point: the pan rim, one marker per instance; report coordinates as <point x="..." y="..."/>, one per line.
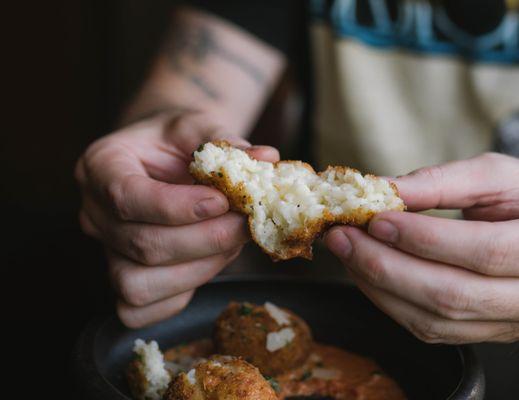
<point x="471" y="385"/>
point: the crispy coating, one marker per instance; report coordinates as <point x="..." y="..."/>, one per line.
<point x="298" y="243"/>
<point x="136" y="379"/>
<point x="242" y="329"/>
<point x="221" y="378"/>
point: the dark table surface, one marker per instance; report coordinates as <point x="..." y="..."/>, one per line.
<point x="501" y="361"/>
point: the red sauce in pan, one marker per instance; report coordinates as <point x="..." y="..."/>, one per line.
<point x="329" y="371"/>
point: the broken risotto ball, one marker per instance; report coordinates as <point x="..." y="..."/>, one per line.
<point x="287" y="202"/>
<point x="147" y="374"/>
<point x="273" y="339"/>
<point x="221" y="378"/>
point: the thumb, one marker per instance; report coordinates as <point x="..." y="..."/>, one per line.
<point x="458" y="184"/>
<point x="264" y="153"/>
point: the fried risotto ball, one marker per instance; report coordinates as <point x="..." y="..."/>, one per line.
<point x="221" y="378"/>
<point x="287" y="202"/>
<point x="146" y="373"/>
<point x="271" y="338"/>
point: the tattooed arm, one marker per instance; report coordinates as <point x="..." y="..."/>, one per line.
<point x="209" y="65"/>
<point x="165" y="236"/>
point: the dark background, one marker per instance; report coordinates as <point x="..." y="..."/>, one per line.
<point x="70" y="67"/>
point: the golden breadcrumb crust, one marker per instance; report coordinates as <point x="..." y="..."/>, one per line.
<point x="245" y="336"/>
<point x="299" y="242"/>
<point x="221" y="378"/>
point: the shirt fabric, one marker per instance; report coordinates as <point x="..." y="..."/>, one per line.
<point x="400" y="84"/>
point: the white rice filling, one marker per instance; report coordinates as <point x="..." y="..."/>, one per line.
<point x="191" y="377"/>
<point x="153" y="368"/>
<point x="290" y="196"/>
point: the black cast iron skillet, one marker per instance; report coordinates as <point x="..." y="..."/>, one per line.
<point x="338" y="314"/>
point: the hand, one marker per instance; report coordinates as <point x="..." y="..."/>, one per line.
<point x="165" y="236"/>
<point x="447" y="281"/>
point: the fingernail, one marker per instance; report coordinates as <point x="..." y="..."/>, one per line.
<point x="383" y="230"/>
<point x="210" y="207"/>
<point x="340" y="244"/>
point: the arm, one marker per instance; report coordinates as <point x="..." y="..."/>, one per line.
<point x="165" y="236"/>
<point x="206" y="64"/>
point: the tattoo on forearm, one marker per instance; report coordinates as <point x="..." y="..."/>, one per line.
<point x="198" y="43"/>
<point x="163" y="107"/>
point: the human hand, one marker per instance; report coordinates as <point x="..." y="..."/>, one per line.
<point x="164" y="235"/>
<point x="447" y="281"/>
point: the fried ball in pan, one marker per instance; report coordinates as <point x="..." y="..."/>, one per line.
<point x="271" y="338"/>
<point x="221" y="378"/>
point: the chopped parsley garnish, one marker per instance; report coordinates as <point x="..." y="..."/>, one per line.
<point x="200" y="148"/>
<point x="273" y="383"/>
<point x="245" y="310"/>
<point x="220" y="174"/>
<point x="306" y="376"/>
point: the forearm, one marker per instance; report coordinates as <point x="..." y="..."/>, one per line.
<point x="208" y="65"/>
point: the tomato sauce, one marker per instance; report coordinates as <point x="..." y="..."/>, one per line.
<point x="328" y="372"/>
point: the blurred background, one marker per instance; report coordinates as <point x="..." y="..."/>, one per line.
<point x="71" y="66"/>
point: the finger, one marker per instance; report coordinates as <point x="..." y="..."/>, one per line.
<point x="264" y="153"/>
<point x="87" y="225"/>
<point x="483" y="247"/>
<point x="459" y="184"/>
<point x="450" y="292"/>
<point x="505" y="210"/>
<point x="139" y="285"/>
<point x="155" y="245"/>
<point x="141" y="199"/>
<point x="120" y="181"/>
<point x="430" y="328"/>
<point x="138" y="317"/>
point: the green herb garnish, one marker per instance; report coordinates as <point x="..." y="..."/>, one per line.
<point x="274" y="383"/>
<point x="245" y="310"/>
<point x="306" y="376"/>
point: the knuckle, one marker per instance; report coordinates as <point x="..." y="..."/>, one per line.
<point x="450" y="301"/>
<point x="181" y="124"/>
<point x="427" y="330"/>
<point x="434" y="172"/>
<point x="492" y="256"/>
<point x="375" y="271"/>
<point x="117" y="199"/>
<point x="435" y="175"/>
<point x="221" y="239"/>
<point x="132" y="287"/>
<point x="145" y="248"/>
